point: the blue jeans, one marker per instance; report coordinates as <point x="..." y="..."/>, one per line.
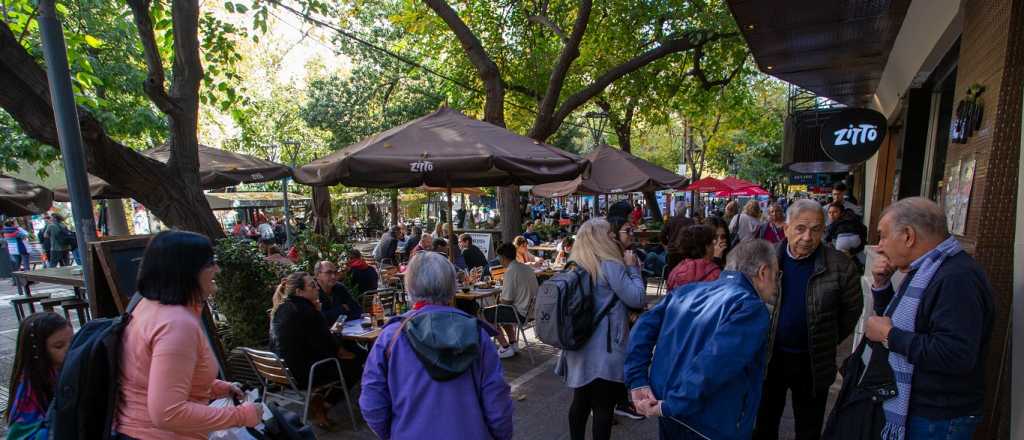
<point x="961" y="428"/>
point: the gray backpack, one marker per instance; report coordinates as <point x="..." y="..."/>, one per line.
<point x="565" y="311"/>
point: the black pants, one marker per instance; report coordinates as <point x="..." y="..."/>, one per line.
<point x="791" y="372"/>
<point x="598" y="397"/>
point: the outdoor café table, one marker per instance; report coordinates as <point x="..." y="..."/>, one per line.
<point x="353" y="331"/>
<point x="543" y="248"/>
<point x="65" y="276"/>
<point x="477" y="294"/>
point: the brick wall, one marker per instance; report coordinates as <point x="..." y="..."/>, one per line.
<point x="992" y="54"/>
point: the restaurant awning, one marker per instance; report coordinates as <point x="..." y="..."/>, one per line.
<point x="443" y="149"/>
<point x="252" y="199"/>
<point x="613" y="171"/>
<point x="834" y="49"/>
<point x="217" y="169"/>
<point x="19" y="198"/>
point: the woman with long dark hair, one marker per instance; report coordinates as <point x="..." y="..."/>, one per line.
<point x="43" y="340"/>
<point x="168" y="372"/>
<point x="723" y="239"/>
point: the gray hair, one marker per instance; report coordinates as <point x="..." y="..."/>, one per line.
<point x="430" y="277"/>
<point x="320" y="265"/>
<point x="803" y="205"/>
<point x="750" y="255"/>
<point x="919" y="213"/>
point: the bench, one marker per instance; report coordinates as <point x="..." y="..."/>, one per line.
<point x="30" y="301"/>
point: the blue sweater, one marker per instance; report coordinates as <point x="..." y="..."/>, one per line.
<point x="949" y="341"/>
<point x="792" y="328"/>
<point x="709" y="363"/>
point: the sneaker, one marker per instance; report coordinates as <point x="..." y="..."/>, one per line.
<point x="626" y="410"/>
<point x="515" y="347"/>
<point x="506" y="352"/>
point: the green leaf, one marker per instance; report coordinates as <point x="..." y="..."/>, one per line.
<point x="240" y="8"/>
<point x="93" y="42"/>
<point x="229" y="6"/>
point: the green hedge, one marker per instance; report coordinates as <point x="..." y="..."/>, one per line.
<point x="246" y="284"/>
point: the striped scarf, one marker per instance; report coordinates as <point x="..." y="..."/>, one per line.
<point x="904" y="317"/>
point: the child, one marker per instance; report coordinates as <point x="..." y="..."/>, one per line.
<point x="43" y="340"/>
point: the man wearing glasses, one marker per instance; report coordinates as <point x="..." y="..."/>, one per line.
<point x="819" y="305"/>
<point x="335" y="299"/>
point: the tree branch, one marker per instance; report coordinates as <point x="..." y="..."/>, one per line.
<point x="487" y="70"/>
<point x="579" y="98"/>
<point x="154" y="84"/>
<point x="524" y="90"/>
<point x="698" y="70"/>
<point x="544" y="21"/>
<point x="570" y="51"/>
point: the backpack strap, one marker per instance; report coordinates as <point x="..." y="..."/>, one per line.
<point x="133" y="302"/>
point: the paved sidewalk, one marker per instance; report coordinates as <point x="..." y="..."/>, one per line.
<point x="541" y="411"/>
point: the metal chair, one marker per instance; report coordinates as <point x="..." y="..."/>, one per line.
<point x="659" y="280"/>
<point x="521" y="325"/>
<point x="271" y="369"/>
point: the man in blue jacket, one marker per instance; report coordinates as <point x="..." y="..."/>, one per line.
<point x="704" y="381"/>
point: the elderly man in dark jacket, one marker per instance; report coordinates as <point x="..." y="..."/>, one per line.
<point x="819" y="305"/>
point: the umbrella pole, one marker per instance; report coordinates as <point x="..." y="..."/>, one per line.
<point x="451" y="227"/>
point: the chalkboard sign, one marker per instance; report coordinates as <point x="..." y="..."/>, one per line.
<point x="483" y="241"/>
<point x="113" y="278"/>
<point x="853" y="135"/>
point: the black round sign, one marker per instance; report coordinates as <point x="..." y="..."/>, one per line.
<point x="853" y="135"/>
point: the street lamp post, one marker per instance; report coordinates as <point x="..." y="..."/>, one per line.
<point x="284" y="186"/>
<point x="596" y="122"/>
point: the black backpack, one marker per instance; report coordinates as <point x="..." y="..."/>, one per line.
<point x="85" y="401"/>
<point x="565" y="310"/>
<point x="66" y="237"/>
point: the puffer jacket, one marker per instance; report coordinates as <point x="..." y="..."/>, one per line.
<point x="693" y="271"/>
<point x="834" y="305"/>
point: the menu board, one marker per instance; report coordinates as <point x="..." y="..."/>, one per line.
<point x="963" y="195"/>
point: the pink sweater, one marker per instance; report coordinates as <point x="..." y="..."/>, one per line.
<point x="169" y="375"/>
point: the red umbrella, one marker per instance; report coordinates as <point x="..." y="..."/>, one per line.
<point x="745" y="192"/>
<point x="709" y="184"/>
<point x="737" y="183"/>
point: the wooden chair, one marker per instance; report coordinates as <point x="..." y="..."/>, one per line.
<point x="389" y="298"/>
<point x="30" y="301"/>
<point x="498" y="273"/>
<point x="79" y="306"/>
<point x="271" y="370"/>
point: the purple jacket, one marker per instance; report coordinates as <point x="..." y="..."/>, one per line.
<point x="400" y="400"/>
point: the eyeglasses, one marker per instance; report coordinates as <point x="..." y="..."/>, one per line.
<point x="778" y="277"/>
<point x="211" y="262"/>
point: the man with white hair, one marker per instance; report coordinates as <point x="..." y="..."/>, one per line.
<point x="936" y="327"/>
<point x="819" y="305"/>
<point x="696" y="359"/>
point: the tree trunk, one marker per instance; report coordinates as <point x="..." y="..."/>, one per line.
<point x="652" y="203"/>
<point x="322" y="211"/>
<point x="394" y="207"/>
<point x="117" y="223"/>
<point x="24" y="94"/>
<point x="508" y="209"/>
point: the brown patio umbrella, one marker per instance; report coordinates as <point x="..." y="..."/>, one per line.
<point x="613" y="171"/>
<point x="443" y="149"/>
<point x="217" y="169"/>
<point x="19" y="198"/>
